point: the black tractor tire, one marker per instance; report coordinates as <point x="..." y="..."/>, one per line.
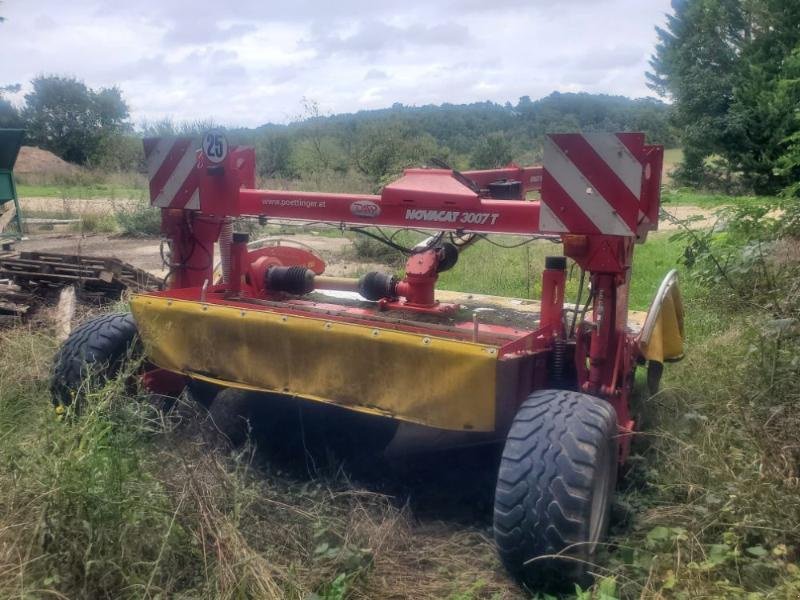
<point x="96" y="349"/>
<point x="554" y="488"/>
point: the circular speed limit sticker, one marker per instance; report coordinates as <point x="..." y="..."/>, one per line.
<point x="215" y="146"/>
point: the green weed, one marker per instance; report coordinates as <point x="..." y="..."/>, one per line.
<point x="715" y="475"/>
<point x="139" y="220"/>
<point x="96" y="223"/>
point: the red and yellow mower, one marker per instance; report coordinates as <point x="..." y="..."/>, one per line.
<point x="552" y="380"/>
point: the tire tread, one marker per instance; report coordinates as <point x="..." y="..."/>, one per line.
<point x="100" y="343"/>
<point x="543" y="500"/>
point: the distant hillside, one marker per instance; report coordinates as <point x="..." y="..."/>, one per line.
<point x="377" y="144"/>
<point x="458" y="125"/>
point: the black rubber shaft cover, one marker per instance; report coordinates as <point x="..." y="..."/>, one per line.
<point x="376" y="285"/>
<point x="292" y="280"/>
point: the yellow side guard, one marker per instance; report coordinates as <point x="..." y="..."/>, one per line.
<point x="422" y="379"/>
<point x="662" y="335"/>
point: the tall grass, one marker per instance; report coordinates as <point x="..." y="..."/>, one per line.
<point x="132" y="500"/>
<point x="713" y="491"/>
<point x="714" y="486"/>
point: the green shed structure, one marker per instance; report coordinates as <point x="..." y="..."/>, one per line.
<point x="10" y="142"/>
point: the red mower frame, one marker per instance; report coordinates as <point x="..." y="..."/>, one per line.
<point x="598" y="214"/>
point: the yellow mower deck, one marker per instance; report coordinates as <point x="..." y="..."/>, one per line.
<point x="419" y="377"/>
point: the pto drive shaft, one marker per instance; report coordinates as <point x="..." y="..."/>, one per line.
<point x="301" y="280"/>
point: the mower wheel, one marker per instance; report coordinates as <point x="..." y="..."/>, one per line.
<point x="554" y="488"/>
<point x="97" y="348"/>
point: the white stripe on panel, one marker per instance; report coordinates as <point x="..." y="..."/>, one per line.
<point x="548" y="221"/>
<point x="194" y="201"/>
<point x="577" y="187"/>
<point x="158" y="156"/>
<point x="176" y="179"/>
<point x="619" y="159"/>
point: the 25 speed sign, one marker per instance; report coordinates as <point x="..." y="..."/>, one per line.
<point x="215" y="146"/>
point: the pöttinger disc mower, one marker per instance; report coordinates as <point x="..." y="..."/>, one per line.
<point x="551" y="379"/>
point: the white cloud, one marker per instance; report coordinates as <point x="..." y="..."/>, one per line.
<point x="252" y="63"/>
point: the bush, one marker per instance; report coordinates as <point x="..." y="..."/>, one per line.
<point x="96" y="223"/>
<point x="368" y="249"/>
<point x="749" y="258"/>
<point x="715" y="510"/>
<point x="117" y="152"/>
<point x="139" y="220"/>
<point x="714" y="485"/>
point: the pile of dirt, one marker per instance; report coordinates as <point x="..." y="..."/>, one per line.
<point x="35" y="161"/>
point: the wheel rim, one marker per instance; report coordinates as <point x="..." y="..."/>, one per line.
<point x="600" y="495"/>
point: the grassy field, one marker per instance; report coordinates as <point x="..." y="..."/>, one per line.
<point x="128" y="501"/>
<point x="97" y="190"/>
<point x="516" y="272"/>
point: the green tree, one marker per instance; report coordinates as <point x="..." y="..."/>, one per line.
<point x="119" y="152"/>
<point x="764" y="113"/>
<point x="66" y="117"/>
<point x="9" y="115"/>
<point x="726" y="64"/>
<point x="695" y="64"/>
<point x="493" y="150"/>
<point x="274" y="156"/>
<point x="381" y="152"/>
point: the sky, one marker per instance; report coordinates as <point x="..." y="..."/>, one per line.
<point x="249" y="62"/>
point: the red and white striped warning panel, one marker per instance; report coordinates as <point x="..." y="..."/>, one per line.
<point x="173" y="174"/>
<point x="600" y="183"/>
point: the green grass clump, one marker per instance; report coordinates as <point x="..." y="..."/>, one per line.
<point x="97" y="223"/>
<point x="139" y="220"/>
<point x="715" y="475"/>
<point x="83" y="512"/>
<point x="714" y="484"/>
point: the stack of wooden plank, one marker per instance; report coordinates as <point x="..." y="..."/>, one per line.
<point x="14" y="302"/>
<point x="26" y="277"/>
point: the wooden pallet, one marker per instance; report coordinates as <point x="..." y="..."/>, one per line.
<point x="93" y="276"/>
<point x="14" y="302"/>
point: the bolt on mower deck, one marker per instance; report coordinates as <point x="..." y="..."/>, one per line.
<point x="552" y="378"/>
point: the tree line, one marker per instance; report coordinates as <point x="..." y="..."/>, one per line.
<point x="92" y="127"/>
<point x="379" y="143"/>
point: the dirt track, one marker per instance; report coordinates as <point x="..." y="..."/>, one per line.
<point x="144" y="252"/>
<point x="77" y="206"/>
<point x="682" y="213"/>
